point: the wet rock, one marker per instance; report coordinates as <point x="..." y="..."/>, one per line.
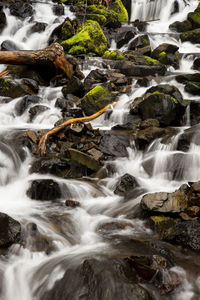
<point x="196" y="64"/>
<point x="84" y="159"/>
<point x="44" y="189"/>
<point x="139" y="42"/>
<point x="2" y="18"/>
<point x="123" y="37"/>
<point x="25" y="102"/>
<point x="33" y="73"/>
<point x="193" y="88"/>
<point x="96" y="154"/>
<point x="37" y="27"/>
<point x="35" y="241"/>
<point x="93" y="78"/>
<point x="126" y="185"/>
<point x="58" y="9"/>
<point x="184" y="78"/>
<point x="109" y="227"/>
<point x="146" y="136"/>
<point x="162" y="107"/>
<point x="167" y="89"/>
<point x="181" y="26"/>
<point x="161" y="223"/>
<point x="192" y="36"/>
<point x="95" y="100"/>
<point x="167" y="48"/>
<point x="36" y="110"/>
<point x="149" y="123"/>
<point x="8" y="45"/>
<point x="114" y="145"/>
<point x="14" y="89"/>
<point x="72" y="203"/>
<point x="166" y="202"/>
<point x="189" y="135"/>
<point x="61" y="103"/>
<point x="99" y="279"/>
<point x="130" y="69"/>
<point x="20" y="8"/>
<point x="194" y="113"/>
<point x="61" y="167"/>
<point x="10" y="231"/>
<point x="74" y="86"/>
<point x="186" y="234"/>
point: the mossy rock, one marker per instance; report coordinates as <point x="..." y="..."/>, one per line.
<point x="181" y="26"/>
<point x="151" y="61"/>
<point x="10" y="88"/>
<point x="119" y="8"/>
<point x="192" y="36"/>
<point x="89" y="39"/>
<point x="67" y="30"/>
<point x="113" y="55"/>
<point x="95" y="100"/>
<point x="84" y="159"/>
<point x="161" y="223"/>
<point x="194" y="18"/>
<point x="101" y="14"/>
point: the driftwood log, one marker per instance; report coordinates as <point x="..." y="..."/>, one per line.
<point x="43" y="141"/>
<point x="52" y="55"/>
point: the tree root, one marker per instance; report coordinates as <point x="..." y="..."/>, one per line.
<point x="42" y="146"/>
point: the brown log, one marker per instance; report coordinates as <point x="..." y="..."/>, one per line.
<point x="52" y="55"/>
<point x="43" y="141"/>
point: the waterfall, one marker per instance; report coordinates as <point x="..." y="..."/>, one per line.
<point x="70" y="236"/>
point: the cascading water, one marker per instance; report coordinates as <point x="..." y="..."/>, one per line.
<point x="27" y="274"/>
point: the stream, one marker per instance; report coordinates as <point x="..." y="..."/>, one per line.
<point x="73" y="236"/>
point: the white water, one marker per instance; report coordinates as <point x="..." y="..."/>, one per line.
<point x="26" y="274"/>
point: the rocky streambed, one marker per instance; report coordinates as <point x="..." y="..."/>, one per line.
<point x="112" y="209"/>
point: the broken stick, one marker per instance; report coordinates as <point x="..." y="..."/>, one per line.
<point x="52" y="55"/>
<point x="43" y="141"/>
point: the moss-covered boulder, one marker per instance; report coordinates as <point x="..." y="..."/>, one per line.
<point x="67" y="29"/>
<point x="113" y="55"/>
<point x="95" y="100"/>
<point x="194" y="17"/>
<point x="89" y="39"/>
<point x="103" y="15"/>
<point x="14" y="89"/>
<point x="119" y="8"/>
<point x="192" y="36"/>
<point x="151" y="61"/>
<point x="181" y="26"/>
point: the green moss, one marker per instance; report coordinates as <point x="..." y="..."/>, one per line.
<point x="194" y="18"/>
<point x="101" y="14"/>
<point x="158" y="219"/>
<point x="95" y="100"/>
<point x="162" y="55"/>
<point x="113" y="55"/>
<point x="151" y="61"/>
<point x="90" y="38"/>
<point x="156" y="92"/>
<point x="95" y="17"/>
<point x="174" y="100"/>
<point x="119" y="8"/>
<point x="67" y="30"/>
<point x="76" y="50"/>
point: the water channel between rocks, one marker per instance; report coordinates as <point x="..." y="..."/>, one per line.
<point x="95" y="244"/>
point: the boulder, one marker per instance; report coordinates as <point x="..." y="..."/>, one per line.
<point x="114" y="144"/>
<point x="100" y="279"/>
<point x="2" y="18"/>
<point x="8" y="45"/>
<point x="129" y="68"/>
<point x="167" y="48"/>
<point x="74" y="86"/>
<point x="25" y="102"/>
<point x="37" y="27"/>
<point x="192" y="36"/>
<point x="36" y="110"/>
<point x="186" y="234"/>
<point x="181" y="26"/>
<point x="44" y="189"/>
<point x="146" y="136"/>
<point x="125" y="185"/>
<point x="84" y="159"/>
<point x="167" y="89"/>
<point x="94" y="77"/>
<point x="123" y="37"/>
<point x="103" y="15"/>
<point x="90" y="39"/>
<point x="196" y="64"/>
<point x="139" y="42"/>
<point x="162" y="107"/>
<point x="163" y="202"/>
<point x="113" y="55"/>
<point x="193" y="88"/>
<point x="118" y="7"/>
<point x="10" y="231"/>
<point x="61" y="167"/>
<point x="20" y="8"/>
<point x="14" y="89"/>
<point x="95" y="100"/>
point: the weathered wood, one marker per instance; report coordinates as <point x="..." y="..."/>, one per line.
<point x="52" y="55"/>
<point x="43" y="141"/>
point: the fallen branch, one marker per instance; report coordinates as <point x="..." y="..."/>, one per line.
<point x="43" y="141"/>
<point x="52" y="55"/>
<point x="4" y="73"/>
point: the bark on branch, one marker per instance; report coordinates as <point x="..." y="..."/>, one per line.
<point x="52" y="55"/>
<point x="43" y="141"/>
